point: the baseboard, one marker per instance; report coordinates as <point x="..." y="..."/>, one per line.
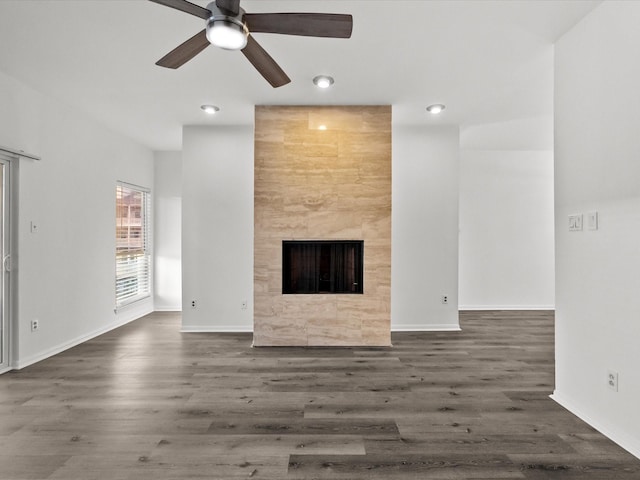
<point x="25" y="362"/>
<point x="216" y="329"/>
<point x="630" y="444"/>
<point x="506" y="307"/>
<point x="237" y="329"/>
<point x="168" y="309"/>
<point x="425" y="328"/>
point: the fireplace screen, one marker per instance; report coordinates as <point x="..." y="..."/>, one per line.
<point x="322" y="266"/>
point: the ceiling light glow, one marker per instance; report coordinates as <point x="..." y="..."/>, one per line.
<point x="323" y="81"/>
<point x="210" y="109"/>
<point x="435" y="108"/>
<point x="227" y="33"/>
<point x="322" y="127"/>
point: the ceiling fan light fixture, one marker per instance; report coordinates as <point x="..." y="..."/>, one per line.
<point x="210" y="109"/>
<point x="435" y="109"/>
<point x="323" y="81"/>
<point x="228" y="26"/>
<point x="227" y="33"/>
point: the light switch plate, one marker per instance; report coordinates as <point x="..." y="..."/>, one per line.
<point x="575" y="222"/>
<point x="592" y="220"/>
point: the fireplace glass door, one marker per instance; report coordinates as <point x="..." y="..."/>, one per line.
<point x="322" y="267"/>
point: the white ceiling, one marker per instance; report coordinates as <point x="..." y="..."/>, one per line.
<point x="488" y="61"/>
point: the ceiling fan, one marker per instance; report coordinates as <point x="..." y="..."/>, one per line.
<point x="229" y="26"/>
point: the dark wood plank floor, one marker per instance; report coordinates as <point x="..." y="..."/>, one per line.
<point x="146" y="402"/>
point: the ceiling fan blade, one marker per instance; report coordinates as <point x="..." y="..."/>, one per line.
<point x="307" y="24"/>
<point x="185" y="52"/>
<point x="231" y="6"/>
<point x="186" y="7"/>
<point x="266" y="65"/>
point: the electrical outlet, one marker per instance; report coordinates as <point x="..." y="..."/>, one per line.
<point x="444" y="299"/>
<point x="612" y="380"/>
<point x="193" y="304"/>
<point x="35" y="324"/>
<point x="243" y="305"/>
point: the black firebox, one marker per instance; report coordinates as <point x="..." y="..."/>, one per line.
<point x="322" y="266"/>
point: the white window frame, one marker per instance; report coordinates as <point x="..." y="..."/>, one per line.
<point x="133" y="275"/>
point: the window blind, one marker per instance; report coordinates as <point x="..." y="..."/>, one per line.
<point x="133" y="258"/>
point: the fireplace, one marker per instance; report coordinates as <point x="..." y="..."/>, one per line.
<point x="322" y="187"/>
<point x="322" y="267"/>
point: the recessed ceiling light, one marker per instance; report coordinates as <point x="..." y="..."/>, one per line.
<point x="210" y="109"/>
<point x="323" y="81"/>
<point x="435" y="108"/>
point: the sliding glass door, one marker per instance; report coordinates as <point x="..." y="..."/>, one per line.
<point x="6" y="265"/>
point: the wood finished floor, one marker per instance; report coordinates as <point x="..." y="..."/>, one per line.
<point x="146" y="402"/>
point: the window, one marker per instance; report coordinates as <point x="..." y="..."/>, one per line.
<point x="133" y="259"/>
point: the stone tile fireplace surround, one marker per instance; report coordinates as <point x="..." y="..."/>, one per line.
<point x="322" y="173"/>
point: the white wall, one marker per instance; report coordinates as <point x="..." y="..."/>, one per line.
<point x="66" y="271"/>
<point x="598" y="169"/>
<point x="507" y="216"/>
<point x="424" y="243"/>
<point x="217" y="222"/>
<point x="217" y="228"/>
<point x="167" y="202"/>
